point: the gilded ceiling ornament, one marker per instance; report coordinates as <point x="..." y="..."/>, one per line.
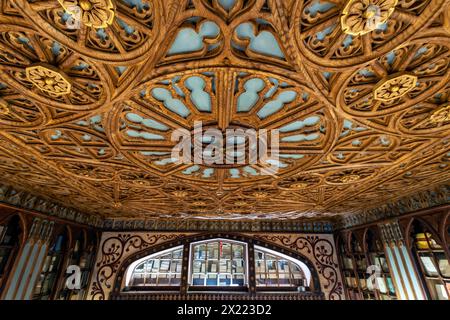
<point x="94" y="13"/>
<point x="299" y="185"/>
<point x="49" y="79"/>
<point x="117" y="205"/>
<point x="350" y="178"/>
<point x="394" y="87"/>
<point x="441" y="115"/>
<point x="363" y="16"/>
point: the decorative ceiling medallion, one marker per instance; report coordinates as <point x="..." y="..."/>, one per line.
<point x="49" y="79"/>
<point x="259" y="105"/>
<point x="394" y="87"/>
<point x="299" y="183"/>
<point x="349" y="176"/>
<point x="441" y="115"/>
<point x="363" y="16"/>
<point x="94" y="13"/>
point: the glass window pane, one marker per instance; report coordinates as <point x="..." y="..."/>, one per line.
<point x="225" y="266"/>
<point x="211" y="279"/>
<point x="163" y="279"/>
<point x="272" y="270"/>
<point x="213" y="250"/>
<point x="177" y="254"/>
<point x="200" y="251"/>
<point x="238" y="266"/>
<point x="225" y="280"/>
<point x="283" y="266"/>
<point x="222" y="260"/>
<point x="238" y="279"/>
<point x="163" y="269"/>
<point x="198" y="279"/>
<point x="213" y="266"/>
<point x="175" y="279"/>
<point x="271" y="266"/>
<point x="260" y="266"/>
<point x="238" y="251"/>
<point x="164" y="266"/>
<point x="225" y="251"/>
<point x="259" y="255"/>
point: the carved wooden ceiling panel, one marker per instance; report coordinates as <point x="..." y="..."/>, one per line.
<point x="359" y="91"/>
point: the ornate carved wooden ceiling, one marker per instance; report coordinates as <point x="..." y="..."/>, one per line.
<point x="358" y="89"/>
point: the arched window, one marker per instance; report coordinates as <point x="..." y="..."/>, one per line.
<point x="218" y="262"/>
<point x="218" y="265"/>
<point x="159" y="269"/>
<point x="274" y="269"/>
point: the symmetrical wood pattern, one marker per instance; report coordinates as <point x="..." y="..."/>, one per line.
<point x="360" y="96"/>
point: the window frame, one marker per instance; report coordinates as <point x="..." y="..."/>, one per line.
<point x="148" y="287"/>
<point x="430" y="281"/>
<point x="192" y="287"/>
<point x="280" y="256"/>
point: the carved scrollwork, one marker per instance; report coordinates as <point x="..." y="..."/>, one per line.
<point x="341" y="34"/>
<point x="119" y="31"/>
<point x="111" y="253"/>
<point x="48" y="72"/>
<point x="357" y="90"/>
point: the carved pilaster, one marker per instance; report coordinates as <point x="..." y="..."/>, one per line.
<point x="41" y="230"/>
<point x="391" y="233"/>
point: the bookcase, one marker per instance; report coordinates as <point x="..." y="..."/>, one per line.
<point x="82" y="254"/>
<point x="51" y="268"/>
<point x="432" y="258"/>
<point x="10" y="233"/>
<point x="364" y="267"/>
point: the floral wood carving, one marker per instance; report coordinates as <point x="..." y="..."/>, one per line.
<point x="361" y="105"/>
<point x="112" y="252"/>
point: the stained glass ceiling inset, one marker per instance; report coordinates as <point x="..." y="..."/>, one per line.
<point x="91" y="93"/>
